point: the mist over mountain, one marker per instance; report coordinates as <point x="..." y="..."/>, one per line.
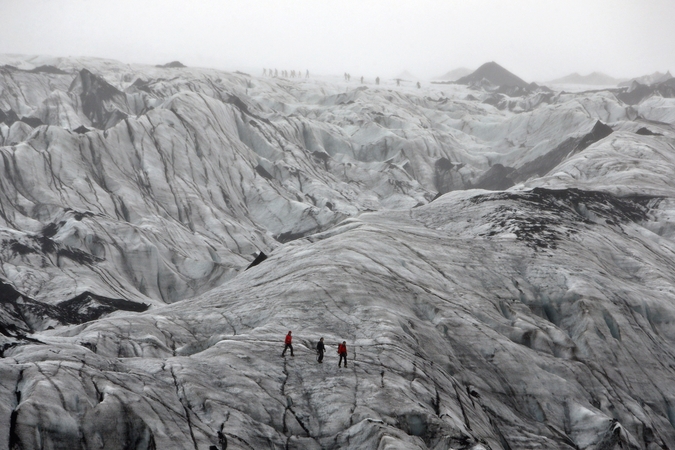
<point x="654" y="78"/>
<point x="595" y="78"/>
<point x="455" y="74"/>
<point x="407" y="76"/>
<point x="498" y="256"/>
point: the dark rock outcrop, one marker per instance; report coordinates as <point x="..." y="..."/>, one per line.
<point x="20" y="314"/>
<point x="102" y="103"/>
<point x="8" y="117"/>
<point x="496" y="75"/>
<point x="543" y="164"/>
<point x="497" y="178"/>
<point x="48" y="69"/>
<point x="637" y="92"/>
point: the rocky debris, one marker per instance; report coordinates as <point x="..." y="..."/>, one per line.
<point x="88" y="306"/>
<point x="644" y="131"/>
<point x="553" y="208"/>
<point x="22" y="315"/>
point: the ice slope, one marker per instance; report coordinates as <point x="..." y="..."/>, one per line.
<point x="300" y="157"/>
<point x="536" y="316"/>
<point x="538" y="319"/>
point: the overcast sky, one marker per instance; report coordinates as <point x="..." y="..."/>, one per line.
<point x="538" y="40"/>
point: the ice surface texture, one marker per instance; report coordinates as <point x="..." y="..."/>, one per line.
<point x="536" y="312"/>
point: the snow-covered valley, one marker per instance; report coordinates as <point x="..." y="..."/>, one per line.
<point x="501" y="267"/>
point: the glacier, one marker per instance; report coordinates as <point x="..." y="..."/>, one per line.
<point x="500" y="263"/>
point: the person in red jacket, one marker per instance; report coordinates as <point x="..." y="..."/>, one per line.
<point x="288" y="345"/>
<point x="342" y="351"/>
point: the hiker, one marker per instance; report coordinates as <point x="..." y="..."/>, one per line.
<point x="264" y="72"/>
<point x="342" y="351"/>
<point x="361" y="79"/>
<point x="418" y="85"/>
<point x="288" y="345"/>
<point x="320" y="348"/>
<point x="377" y="80"/>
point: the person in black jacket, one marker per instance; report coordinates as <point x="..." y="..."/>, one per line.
<point x="320" y="348"/>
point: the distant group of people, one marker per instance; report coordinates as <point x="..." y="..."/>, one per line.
<point x="348" y="77"/>
<point x="320" y="349"/>
<point x="284" y="73"/>
<point x="298" y="74"/>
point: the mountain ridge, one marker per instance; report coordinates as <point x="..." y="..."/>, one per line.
<point x="594" y="78"/>
<point x="454" y="74"/>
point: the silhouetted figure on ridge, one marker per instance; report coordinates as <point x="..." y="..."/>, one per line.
<point x="377" y="80"/>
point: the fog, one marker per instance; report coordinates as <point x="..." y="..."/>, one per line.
<point x="537" y="40"/>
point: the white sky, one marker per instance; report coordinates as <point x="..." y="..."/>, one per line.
<point x="538" y="40"/>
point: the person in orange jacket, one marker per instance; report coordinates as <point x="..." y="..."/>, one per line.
<point x="342" y="351"/>
<point x="288" y="341"/>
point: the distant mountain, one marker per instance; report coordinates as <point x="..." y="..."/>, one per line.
<point x="637" y="92"/>
<point x="656" y="77"/>
<point x="455" y="74"/>
<point x="172" y="64"/>
<point x="595" y="78"/>
<point x="496" y="75"/>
